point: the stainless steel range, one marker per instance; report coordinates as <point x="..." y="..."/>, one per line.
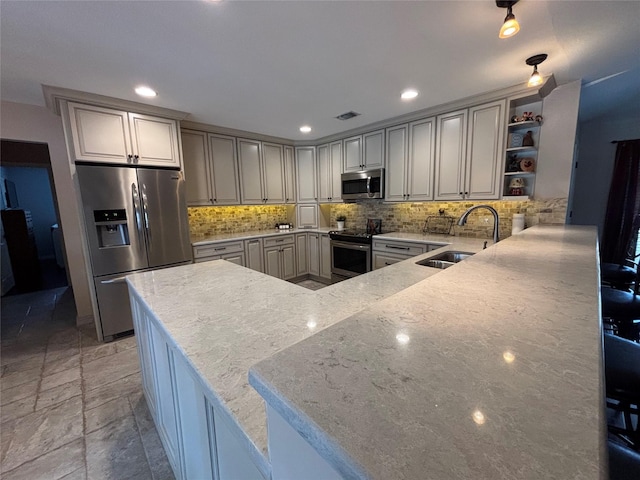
<point x="351" y="251"/>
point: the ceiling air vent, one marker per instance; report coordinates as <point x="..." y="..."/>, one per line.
<point x="347" y="116"/>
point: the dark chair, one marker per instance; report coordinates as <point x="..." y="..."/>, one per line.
<point x="621" y="308"/>
<point x="618" y="276"/>
<point x="622" y="375"/>
<point x="624" y="464"/>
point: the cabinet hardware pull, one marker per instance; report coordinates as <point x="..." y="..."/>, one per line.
<point x="136" y="157"/>
<point x="280" y="240"/>
<point x="211" y="200"/>
<point x="396" y="247"/>
<point x="387" y="263"/>
<point x="220" y="248"/>
<point x="129" y="157"/>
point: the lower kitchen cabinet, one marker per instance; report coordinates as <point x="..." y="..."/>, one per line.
<point x="388" y="252"/>
<point x="302" y="254"/>
<point x="320" y="255"/>
<point x="280" y="257"/>
<point x="253" y="250"/>
<point x="199" y="438"/>
<point x="231" y="251"/>
<point x="314" y="254"/>
<point x="325" y="256"/>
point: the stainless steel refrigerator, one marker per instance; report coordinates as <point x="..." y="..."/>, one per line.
<point x="136" y="219"/>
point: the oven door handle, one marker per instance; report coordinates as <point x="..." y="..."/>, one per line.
<point x="353" y="246"/>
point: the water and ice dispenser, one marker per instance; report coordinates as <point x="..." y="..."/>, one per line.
<point x="112" y="229"/>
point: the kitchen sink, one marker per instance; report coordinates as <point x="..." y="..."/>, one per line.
<point x="445" y="259"/>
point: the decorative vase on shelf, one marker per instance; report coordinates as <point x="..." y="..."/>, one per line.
<point x="527" y="140"/>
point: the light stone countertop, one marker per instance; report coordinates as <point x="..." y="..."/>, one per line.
<point x="224" y="237"/>
<point x="225" y="318"/>
<point x="497" y="372"/>
<point x="404" y="236"/>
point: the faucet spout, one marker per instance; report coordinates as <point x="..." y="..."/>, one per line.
<point x="496" y="222"/>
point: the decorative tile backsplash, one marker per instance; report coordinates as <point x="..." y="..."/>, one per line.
<point x="204" y="221"/>
<point x="403" y="217"/>
<point x="411" y="217"/>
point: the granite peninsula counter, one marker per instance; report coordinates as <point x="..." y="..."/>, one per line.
<point x="491" y="369"/>
<point x="202" y="327"/>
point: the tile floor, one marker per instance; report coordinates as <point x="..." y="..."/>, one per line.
<point x="311" y="284"/>
<point x="71" y="407"/>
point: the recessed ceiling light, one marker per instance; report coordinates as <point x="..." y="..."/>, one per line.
<point x="305" y="129"/>
<point x="409" y="94"/>
<point x="144" y="91"/>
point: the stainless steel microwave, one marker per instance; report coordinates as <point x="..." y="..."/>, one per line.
<point x="364" y="184"/>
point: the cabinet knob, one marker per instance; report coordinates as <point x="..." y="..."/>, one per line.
<point x="136" y="157"/>
<point x="129" y="157"/>
<point x="211" y="200"/>
<point x="460" y="193"/>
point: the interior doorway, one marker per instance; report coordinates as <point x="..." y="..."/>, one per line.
<point x="32" y="237"/>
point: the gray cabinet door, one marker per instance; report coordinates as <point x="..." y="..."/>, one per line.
<point x="289" y="175"/>
<point x="272" y="262"/>
<point x="352" y="148"/>
<point x="397" y="159"/>
<point x="325" y="256"/>
<point x="249" y="160"/>
<point x="273" y="173"/>
<point x="306" y="170"/>
<point x="224" y="169"/>
<point x="373" y="149"/>
<point x="485" y="151"/>
<point x="288" y="257"/>
<point x="253" y="250"/>
<point x="422" y="136"/>
<point x="335" y="154"/>
<point x="197" y="173"/>
<point x="314" y="254"/>
<point x="154" y="141"/>
<point x="302" y="254"/>
<point x="324" y="173"/>
<point x="450" y="155"/>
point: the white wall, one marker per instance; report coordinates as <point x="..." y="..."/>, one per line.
<point x="557" y="137"/>
<point x="596" y="155"/>
<point x="37" y="124"/>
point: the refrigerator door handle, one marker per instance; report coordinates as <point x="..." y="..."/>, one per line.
<point x="114" y="280"/>
<point x="136" y="207"/>
<point x="145" y="209"/>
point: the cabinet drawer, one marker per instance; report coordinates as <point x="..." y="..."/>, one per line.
<point x="217" y="249"/>
<point x="391" y="246"/>
<point x="278" y="241"/>
<point x="384" y="259"/>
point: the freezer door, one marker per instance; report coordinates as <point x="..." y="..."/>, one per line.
<point x="165" y="220"/>
<point x="116" y="244"/>
<point x="112" y="294"/>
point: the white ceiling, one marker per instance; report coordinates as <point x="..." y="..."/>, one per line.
<point x="272" y="66"/>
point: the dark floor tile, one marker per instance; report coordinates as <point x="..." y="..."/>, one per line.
<point x="158" y="462"/>
<point x="116" y="452"/>
<point x="54" y="465"/>
<point x="109" y="369"/>
<point x="41" y="432"/>
<point x="109" y="391"/>
<point x="99" y="417"/>
<point x="17" y="409"/>
<point x="55" y="395"/>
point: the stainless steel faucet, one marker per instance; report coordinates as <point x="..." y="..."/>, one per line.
<point x="496" y="221"/>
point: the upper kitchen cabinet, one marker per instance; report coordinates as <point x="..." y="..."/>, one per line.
<point x="289" y="175"/>
<point x="329" y="171"/>
<point x="262" y="172"/>
<point x="105" y="135"/>
<point x="410" y="161"/>
<point x="364" y="151"/>
<point x="469" y="146"/>
<point x="306" y="174"/>
<point x="210" y="168"/>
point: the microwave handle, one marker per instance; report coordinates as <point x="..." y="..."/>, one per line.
<point x="369" y="187"/>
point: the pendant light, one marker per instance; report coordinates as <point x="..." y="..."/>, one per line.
<point x="536" y="78"/>
<point x="510" y="26"/>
